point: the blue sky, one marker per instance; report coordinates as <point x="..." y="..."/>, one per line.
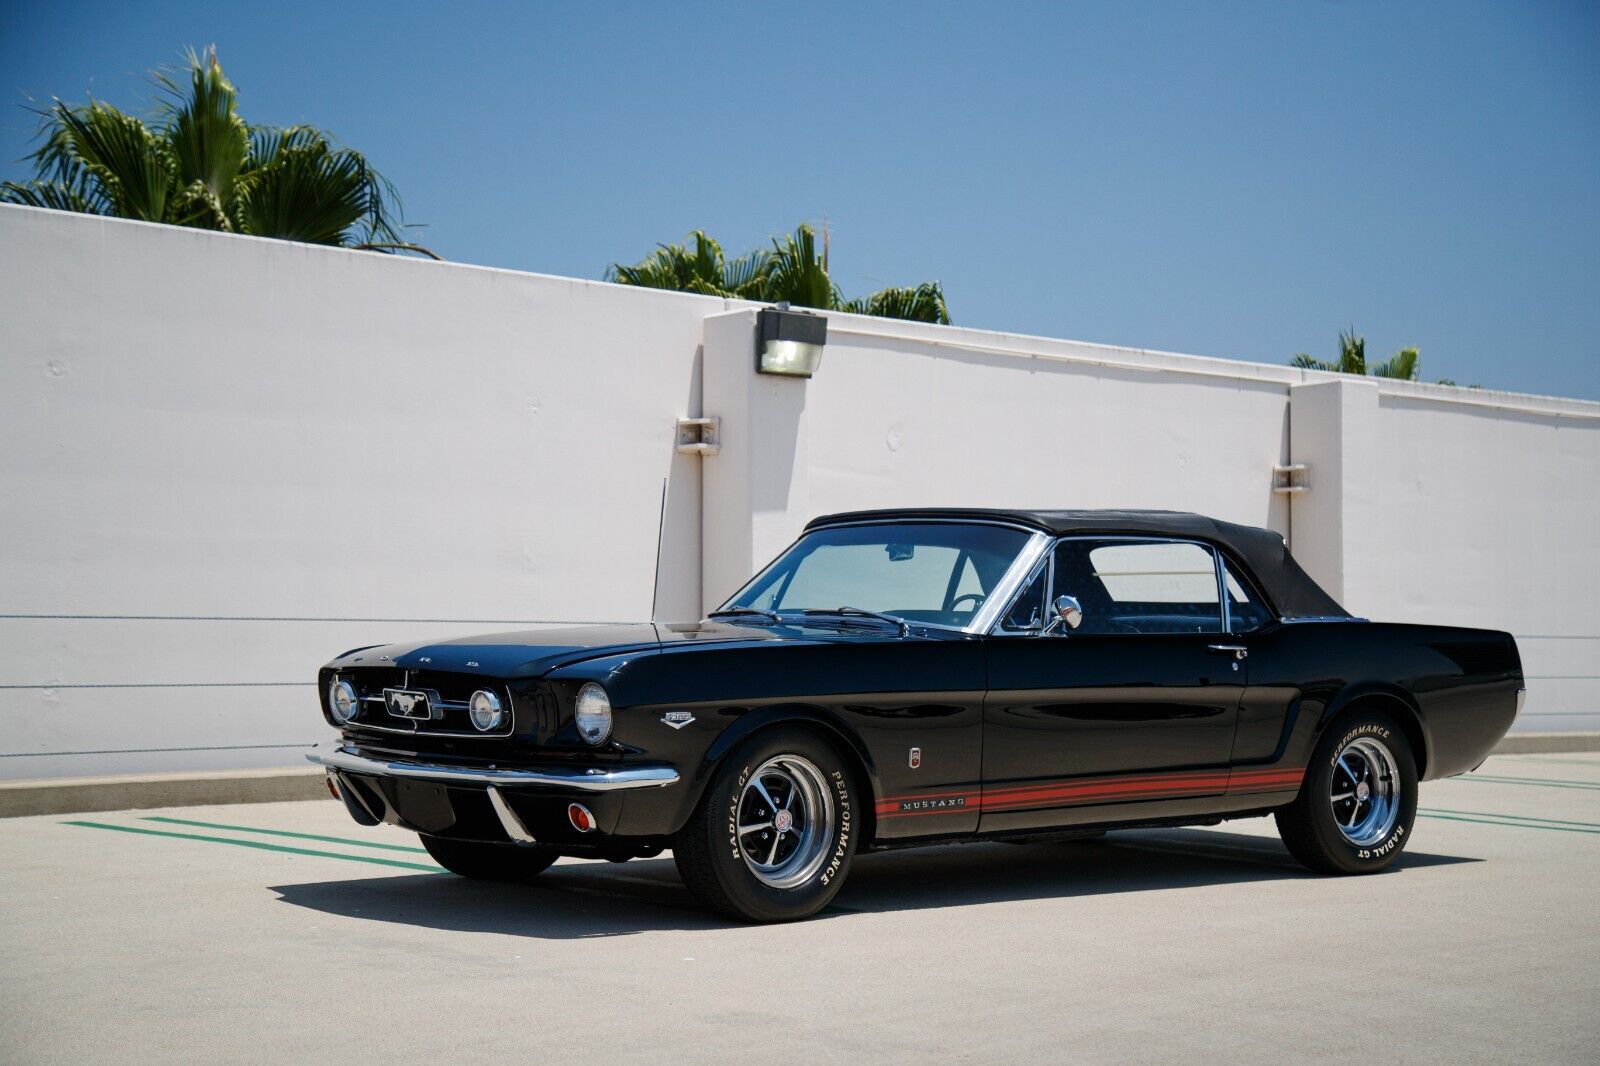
<point x="1237" y="180"/>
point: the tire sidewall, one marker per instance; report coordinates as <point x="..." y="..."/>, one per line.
<point x="744" y="889"/>
<point x="1353" y="858"/>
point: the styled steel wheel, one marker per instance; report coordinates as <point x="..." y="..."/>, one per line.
<point x="1365" y="790"/>
<point x="773" y="835"/>
<point x="785" y="821"/>
<point x="1358" y="800"/>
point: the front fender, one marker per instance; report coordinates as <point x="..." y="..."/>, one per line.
<point x="752" y="722"/>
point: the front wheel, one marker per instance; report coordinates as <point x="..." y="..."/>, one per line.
<point x="773" y="836"/>
<point x="1359" y="799"/>
<point x="490" y="862"/>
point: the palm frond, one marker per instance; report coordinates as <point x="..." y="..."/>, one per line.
<point x="310" y="193"/>
<point x="83" y="196"/>
<point x="1307" y="362"/>
<point x="745" y="276"/>
<point x="208" y="140"/>
<point x="1352" y="352"/>
<point x="914" y="303"/>
<point x="1403" y="365"/>
<point x="791" y="271"/>
<point x="118" y="151"/>
<point x="796" y="275"/>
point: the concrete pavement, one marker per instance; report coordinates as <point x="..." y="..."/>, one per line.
<point x="282" y="932"/>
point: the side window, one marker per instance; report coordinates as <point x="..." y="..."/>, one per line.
<point x="1140" y="586"/>
<point x="1246" y="612"/>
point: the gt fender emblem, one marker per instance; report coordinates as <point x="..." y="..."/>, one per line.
<point x="677" y="719"/>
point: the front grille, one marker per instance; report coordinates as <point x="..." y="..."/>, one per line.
<point x="447" y="694"/>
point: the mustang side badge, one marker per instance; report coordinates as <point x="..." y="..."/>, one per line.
<point x="915" y="758"/>
<point x="677" y="719"/>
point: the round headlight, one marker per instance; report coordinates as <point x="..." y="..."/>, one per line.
<point x="593" y="715"/>
<point x="342" y="700"/>
<point x="486" y="711"/>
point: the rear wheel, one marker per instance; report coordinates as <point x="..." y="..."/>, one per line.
<point x="490" y="862"/>
<point x="1359" y="799"/>
<point x="773" y="836"/>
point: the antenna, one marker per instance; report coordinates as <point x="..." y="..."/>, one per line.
<point x="661" y="526"/>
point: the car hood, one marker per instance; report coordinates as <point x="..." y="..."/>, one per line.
<point x="531" y="652"/>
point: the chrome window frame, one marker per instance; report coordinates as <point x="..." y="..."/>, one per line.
<point x="1010" y="585"/>
<point x="1112" y="538"/>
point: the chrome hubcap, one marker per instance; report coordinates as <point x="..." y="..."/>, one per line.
<point x="785" y="821"/>
<point x="1365" y="791"/>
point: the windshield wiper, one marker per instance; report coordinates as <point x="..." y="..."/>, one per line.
<point x="745" y="612"/>
<point x="861" y="612"/>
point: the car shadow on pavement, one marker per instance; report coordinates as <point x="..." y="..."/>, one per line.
<point x="598" y="899"/>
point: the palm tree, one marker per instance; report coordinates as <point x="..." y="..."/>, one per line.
<point x="200" y="164"/>
<point x="792" y="271"/>
<point x="1404" y="364"/>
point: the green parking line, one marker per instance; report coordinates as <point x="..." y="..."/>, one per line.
<point x="1509" y="824"/>
<point x="1593" y="764"/>
<point x="261" y="844"/>
<point x="1543" y="782"/>
<point x="286" y="833"/>
<point x="1512" y="817"/>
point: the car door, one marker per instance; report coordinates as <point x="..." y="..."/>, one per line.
<point x="1138" y="703"/>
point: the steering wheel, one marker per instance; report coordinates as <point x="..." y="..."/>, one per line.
<point x="977" y="599"/>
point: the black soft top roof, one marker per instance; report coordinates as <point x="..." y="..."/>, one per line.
<point x="1290" y="588"/>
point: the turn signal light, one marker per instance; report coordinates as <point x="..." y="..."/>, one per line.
<point x="580" y="817"/>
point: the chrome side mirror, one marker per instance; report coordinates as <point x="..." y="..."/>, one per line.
<point x="1069" y="613"/>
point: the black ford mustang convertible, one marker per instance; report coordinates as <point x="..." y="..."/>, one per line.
<point x="917" y="677"/>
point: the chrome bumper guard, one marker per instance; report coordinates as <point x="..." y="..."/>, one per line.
<point x="593" y="779"/>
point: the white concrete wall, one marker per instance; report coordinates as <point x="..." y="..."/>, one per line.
<point x="224" y="460"/>
<point x="1490" y="516"/>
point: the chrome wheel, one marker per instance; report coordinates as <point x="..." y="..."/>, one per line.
<point x="785" y="821"/>
<point x="1364" y="789"/>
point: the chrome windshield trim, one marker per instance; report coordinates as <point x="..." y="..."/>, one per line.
<point x="585" y="779"/>
<point x="1011" y="584"/>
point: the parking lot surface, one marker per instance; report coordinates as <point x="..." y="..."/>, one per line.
<point x="284" y="932"/>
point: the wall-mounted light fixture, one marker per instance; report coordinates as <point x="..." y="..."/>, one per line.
<point x="789" y="342"/>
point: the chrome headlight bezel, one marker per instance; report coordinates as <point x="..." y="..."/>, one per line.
<point x="343" y="702"/>
<point x="493" y="711"/>
<point x="591" y="714"/>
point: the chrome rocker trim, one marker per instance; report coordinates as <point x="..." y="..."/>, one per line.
<point x="584" y="780"/>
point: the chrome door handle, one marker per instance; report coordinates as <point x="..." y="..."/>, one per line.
<point x="1238" y="651"/>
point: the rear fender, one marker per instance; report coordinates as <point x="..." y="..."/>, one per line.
<point x="1389" y="697"/>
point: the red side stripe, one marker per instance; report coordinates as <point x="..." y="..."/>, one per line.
<point x="1093" y="790"/>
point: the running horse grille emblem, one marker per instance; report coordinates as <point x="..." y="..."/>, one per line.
<point x="407" y="704"/>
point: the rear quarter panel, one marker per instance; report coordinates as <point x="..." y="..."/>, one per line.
<point x="1460" y="685"/>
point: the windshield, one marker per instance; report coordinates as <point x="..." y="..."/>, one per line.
<point x="936" y="572"/>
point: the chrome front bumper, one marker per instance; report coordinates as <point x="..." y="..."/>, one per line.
<point x="341" y="761"/>
<point x="591" y="779"/>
